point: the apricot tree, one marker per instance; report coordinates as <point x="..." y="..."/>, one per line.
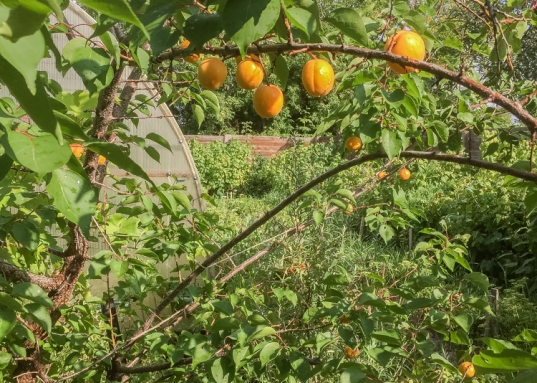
<point x="49" y="327"/>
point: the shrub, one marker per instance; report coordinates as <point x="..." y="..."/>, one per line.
<point x="222" y="167"/>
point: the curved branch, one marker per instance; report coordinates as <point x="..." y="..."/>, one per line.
<point x="146" y="328"/>
<point x="511" y="106"/>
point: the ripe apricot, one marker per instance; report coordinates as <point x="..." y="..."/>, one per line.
<point x="467" y="369"/>
<point x="350" y="353"/>
<point x="249" y="74"/>
<point x="382" y="174"/>
<point x="255" y="58"/>
<point x="408" y="44"/>
<point x="268" y="101"/>
<point x="349" y="209"/>
<point x="353" y="143"/>
<point x="404" y="174"/>
<point x="192" y="58"/>
<point x="77" y="150"/>
<point x="212" y="73"/>
<point x="318" y="77"/>
<point x="101" y="160"/>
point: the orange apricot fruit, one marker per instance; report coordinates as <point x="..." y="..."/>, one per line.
<point x="77" y="150"/>
<point x="212" y="73"/>
<point x="101" y="160"/>
<point x="404" y="174"/>
<point x="268" y="101"/>
<point x="408" y="44"/>
<point x="351" y="353"/>
<point x="353" y="143"/>
<point x="467" y="369"/>
<point x="251" y="56"/>
<point x="382" y="174"/>
<point x="249" y="74"/>
<point x="318" y="77"/>
<point x="192" y="58"/>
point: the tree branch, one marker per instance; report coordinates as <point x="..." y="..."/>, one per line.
<point x="13" y="274"/>
<point x="511" y="106"/>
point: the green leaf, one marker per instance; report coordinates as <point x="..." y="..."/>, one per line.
<point x="36" y="104"/>
<point x="526" y="336"/>
<point x="114" y="154"/>
<point x="22" y="20"/>
<point x="526" y="376"/>
<point x="269" y="352"/>
<point x="437" y="358"/>
<point x="159" y="140"/>
<point x="464" y="320"/>
<point x="247" y="20"/>
<point x="478" y="279"/>
<point x="69" y="126"/>
<point x="5" y="165"/>
<point x="182" y="199"/>
<point x="8" y="301"/>
<point x="291" y="296"/>
<point x="118" y="9"/>
<point x="25" y="55"/>
<point x="91" y="64"/>
<point x="347" y="194"/>
<point x="118" y="267"/>
<point x="221" y="370"/>
<point x="395" y="98"/>
<point x="261" y="332"/>
<point x="454" y="43"/>
<point x="201" y="353"/>
<point x="8" y="320"/>
<point x="441" y="130"/>
<point x="302" y="19"/>
<point x="530" y="200"/>
<point x="416" y="21"/>
<point x="386" y="232"/>
<point x="353" y="374"/>
<point x="389" y="336"/>
<point x="5" y="358"/>
<point x="73" y="196"/>
<point x="32" y="292"/>
<point x="211" y="100"/>
<point x="391" y="143"/>
<point x="318" y="217"/>
<point x="281" y="70"/>
<point x="432" y="138"/>
<point x="41" y="154"/>
<point x="479" y="304"/>
<point x="227" y="323"/>
<point x="349" y="22"/>
<point x="40" y="314"/>
<point x="202" y="27"/>
<point x="26" y="234"/>
<point x="509" y="360"/>
<point x="466" y="117"/>
<point x="335" y="280"/>
<point x="199" y="115"/>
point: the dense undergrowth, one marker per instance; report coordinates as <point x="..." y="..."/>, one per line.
<point x="489" y="217"/>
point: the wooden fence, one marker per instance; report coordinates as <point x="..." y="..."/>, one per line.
<point x="266" y="146"/>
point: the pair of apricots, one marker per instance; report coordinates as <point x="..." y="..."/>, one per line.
<point x="317" y="74"/>
<point x="355" y="143"/>
<point x="78" y="151"/>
